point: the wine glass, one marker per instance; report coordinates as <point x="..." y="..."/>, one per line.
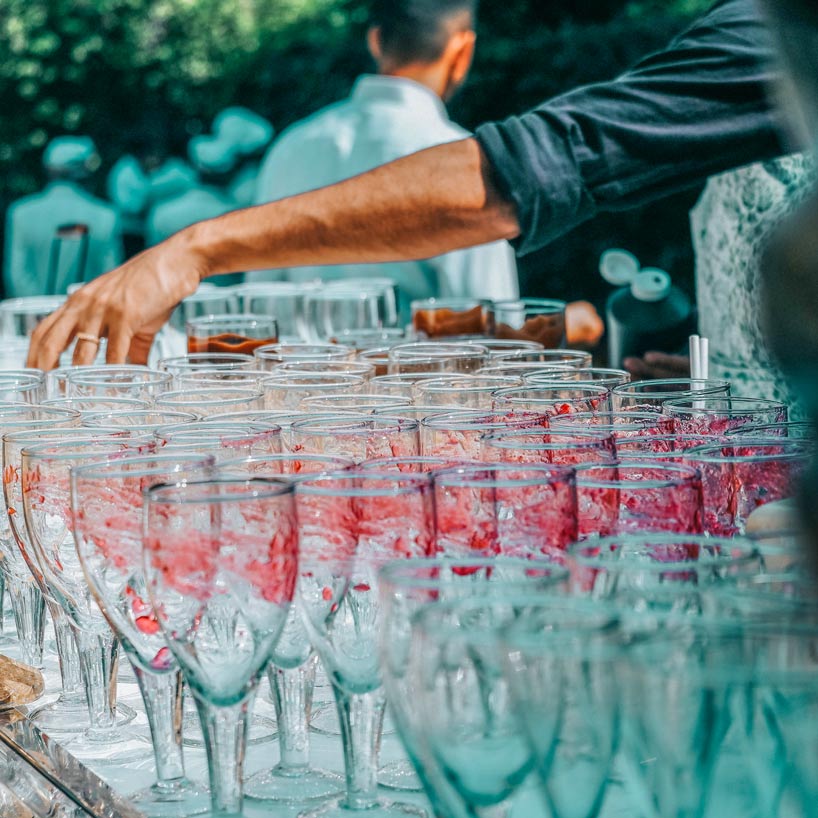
<point x="27" y="602"/>
<point x="107" y="505"/>
<point x="221" y="562"/>
<point x="505" y="508"/>
<point x="350" y="524"/>
<point x="407" y="587"/>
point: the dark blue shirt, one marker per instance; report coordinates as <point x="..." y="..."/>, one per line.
<point x="700" y="107"/>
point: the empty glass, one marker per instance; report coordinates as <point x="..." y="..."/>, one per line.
<point x="209" y="299"/>
<point x="635" y="496"/>
<point x="358" y="437"/>
<point x="547" y="357"/>
<point x="361" y="403"/>
<point x="400" y="385"/>
<point x="107" y="500"/>
<point x="283" y="300"/>
<point x="739" y="478"/>
<point x="225" y="441"/>
<point x="621" y="425"/>
<point x="384" y="288"/>
<point x="650" y="395"/>
<point x="137" y="420"/>
<point x="111" y="381"/>
<point x="20" y="316"/>
<point x="452" y="317"/>
<point x="221" y="563"/>
<point x="240" y="333"/>
<point x="505" y="508"/>
<point x="532" y="319"/>
<point x="436" y="357"/>
<point x="554" y="399"/>
<point x="718" y="415"/>
<point x="271" y="355"/>
<point x="333" y="312"/>
<point x="562" y="449"/>
<point x="22" y="386"/>
<point x="464" y="391"/>
<point x="610" y="378"/>
<point x="214" y="362"/>
<point x="204" y="402"/>
<point x="350" y="525"/>
<point x="361" y="368"/>
<point x="286" y="390"/>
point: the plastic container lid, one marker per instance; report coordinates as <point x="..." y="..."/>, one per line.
<point x="652" y="284"/>
<point x="618" y="267"/>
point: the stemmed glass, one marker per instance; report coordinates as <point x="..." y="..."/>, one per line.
<point x="27" y="603"/>
<point x="350" y="524"/>
<point x="291" y="671"/>
<point x="409" y="586"/>
<point x="221" y="563"/>
<point x="358" y="437"/>
<point x="636" y="496"/>
<point x="505" y="508"/>
<point x="741" y="477"/>
<point x="107" y="505"/>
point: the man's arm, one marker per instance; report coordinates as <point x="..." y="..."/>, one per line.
<point x="432" y="202"/>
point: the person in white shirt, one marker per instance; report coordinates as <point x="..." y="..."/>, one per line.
<point x="63" y="234"/>
<point x="423" y="50"/>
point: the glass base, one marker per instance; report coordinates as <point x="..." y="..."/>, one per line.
<point x="174" y="799"/>
<point x="262" y="730"/>
<point x="289" y="786"/>
<point x="120" y="745"/>
<point x="65" y="715"/>
<point x="325" y="722"/>
<point x="399" y="775"/>
<point x="383" y="809"/>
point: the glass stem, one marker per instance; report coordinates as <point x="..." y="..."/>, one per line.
<point x="67" y="653"/>
<point x="162" y="694"/>
<point x="225" y="734"/>
<point x="98" y="662"/>
<point x="28" y="606"/>
<point x="2" y="601"/>
<point x="361" y="717"/>
<point x="292" y="696"/>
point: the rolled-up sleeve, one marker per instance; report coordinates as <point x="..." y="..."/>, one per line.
<point x="700" y="107"/>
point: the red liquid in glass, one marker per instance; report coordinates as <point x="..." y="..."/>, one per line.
<point x="227" y="342"/>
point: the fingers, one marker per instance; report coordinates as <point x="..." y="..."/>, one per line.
<point x="140" y="349"/>
<point x="52" y="336"/>
<point x="119" y="344"/>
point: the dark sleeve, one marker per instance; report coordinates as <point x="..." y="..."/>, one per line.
<point x="698" y="108"/>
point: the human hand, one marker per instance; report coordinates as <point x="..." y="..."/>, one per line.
<point x="658" y="365"/>
<point x="583" y="326"/>
<point x="128" y="306"/>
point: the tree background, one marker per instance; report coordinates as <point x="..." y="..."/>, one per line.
<point x="146" y="75"/>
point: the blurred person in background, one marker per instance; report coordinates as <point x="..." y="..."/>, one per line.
<point x="696" y="109"/>
<point x="63" y="234"/>
<point x="249" y="134"/>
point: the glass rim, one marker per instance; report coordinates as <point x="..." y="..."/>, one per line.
<point x="123" y="400"/>
<point x="687" y="475"/>
<point x="167" y="432"/>
<point x="589" y="388"/>
<point x="463" y="420"/>
<point x="340" y="461"/>
<point x="118" y="467"/>
<point x="91" y="417"/>
<point x="23" y="378"/>
<point x="352" y="424"/>
<point x="680" y="406"/>
<point x="543" y="474"/>
<point x="275" y="487"/>
<point x="152" y="376"/>
<point x="415" y="483"/>
<point x="379" y="401"/>
<point x="218" y="361"/>
<point x="702" y="454"/>
<point x="228" y="318"/>
<point x="501" y="440"/>
<point x="716" y="384"/>
<point x="51" y="451"/>
<point x="11" y="410"/>
<point x="318" y="349"/>
<point x="444" y="303"/>
<point x="294" y="380"/>
<point x="79" y="433"/>
<point x="749" y="428"/>
<point x="555" y="354"/>
<point x="445" y="385"/>
<point x="375" y="463"/>
<point x="534" y="303"/>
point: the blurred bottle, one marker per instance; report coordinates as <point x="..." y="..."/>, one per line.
<point x="646" y="312"/>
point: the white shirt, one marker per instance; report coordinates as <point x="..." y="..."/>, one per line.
<point x="384" y="119"/>
<point x="31" y="227"/>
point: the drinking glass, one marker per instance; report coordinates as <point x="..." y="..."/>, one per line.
<point x="498" y="347"/>
<point x="635" y="496"/>
<point x="671" y="448"/>
<point x="138" y="420"/>
<point x="740" y="477"/>
<point x="271" y="355"/>
<point x="286" y="390"/>
<point x="20" y="316"/>
<point x="283" y="300"/>
<point x="407" y="587"/>
<point x="547" y="357"/>
<point x="223" y="440"/>
<point x="532" y="319"/>
<point x="240" y="333"/>
<point x="622" y="425"/>
<point x="330" y="313"/>
<point x="562" y="665"/>
<point x="360" y="403"/>
<point x="91" y="406"/>
<point x="415" y="412"/>
<point x="793" y="429"/>
<point x="436" y="357"/>
<point x="291" y="671"/>
<point x="457" y="435"/>
<point x="358" y="437"/>
<point x="111" y="381"/>
<point x="553" y="399"/>
<point x="377" y="356"/>
<point x="561" y="449"/>
<point x="718" y="415"/>
<point x="462" y="391"/>
<point x="69" y="713"/>
<point x="107" y="502"/>
<point x="221" y="563"/>
<point x="365" y="340"/>
<point x="209" y="299"/>
<point x="609" y="378"/>
<point x="21" y="386"/>
<point x="452" y="317"/>
<point x="505" y="508"/>
<point x="400" y="385"/>
<point x="350" y="525"/>
<point x="45" y="478"/>
<point x="209" y="361"/>
<point x="24" y="593"/>
<point x="361" y="368"/>
<point x="384" y="288"/>
<point x="647" y="396"/>
<point x="204" y="402"/>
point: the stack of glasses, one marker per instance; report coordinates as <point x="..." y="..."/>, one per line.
<point x="558" y="581"/>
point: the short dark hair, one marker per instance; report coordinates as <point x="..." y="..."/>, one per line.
<point x="415" y="30"/>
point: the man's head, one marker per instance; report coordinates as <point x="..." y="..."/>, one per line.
<point x="429" y="41"/>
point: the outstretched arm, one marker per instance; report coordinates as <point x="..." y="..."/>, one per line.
<point x="432" y="202"/>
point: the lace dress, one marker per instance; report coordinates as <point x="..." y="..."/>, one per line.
<point x="730" y="224"/>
